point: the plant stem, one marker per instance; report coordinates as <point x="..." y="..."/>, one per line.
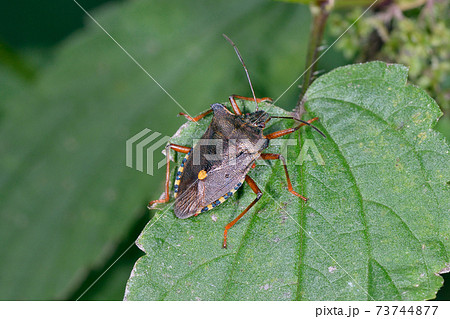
<point x="320" y="11"/>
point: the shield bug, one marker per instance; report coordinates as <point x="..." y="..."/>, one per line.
<point x="217" y="166"/>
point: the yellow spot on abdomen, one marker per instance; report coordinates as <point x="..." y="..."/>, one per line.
<point x="202" y="174"/>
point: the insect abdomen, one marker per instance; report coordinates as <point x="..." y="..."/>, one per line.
<point x="179" y="174"/>
<point x="220" y="200"/>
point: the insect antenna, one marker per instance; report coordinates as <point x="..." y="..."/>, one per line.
<point x="243" y="64"/>
<point x="304" y="122"/>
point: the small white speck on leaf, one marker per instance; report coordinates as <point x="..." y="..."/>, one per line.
<point x="266" y="287"/>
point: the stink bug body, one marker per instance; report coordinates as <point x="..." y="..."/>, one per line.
<point x="215" y="168"/>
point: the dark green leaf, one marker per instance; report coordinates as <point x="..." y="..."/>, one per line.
<point x="67" y="196"/>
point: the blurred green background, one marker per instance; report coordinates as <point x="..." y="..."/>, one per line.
<point x="70" y="98"/>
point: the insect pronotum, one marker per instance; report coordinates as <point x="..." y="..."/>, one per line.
<point x="206" y="178"/>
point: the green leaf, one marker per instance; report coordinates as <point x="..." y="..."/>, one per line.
<point x="376" y="224"/>
<point x="298" y="1"/>
<point x="66" y="195"/>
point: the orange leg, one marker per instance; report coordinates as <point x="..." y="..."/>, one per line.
<point x="236" y="108"/>
<point x="281" y="133"/>
<point x="176" y="148"/>
<point x="271" y="156"/>
<point x="197" y="118"/>
<point x="258" y="193"/>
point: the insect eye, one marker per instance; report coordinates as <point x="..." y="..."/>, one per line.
<point x="227" y="175"/>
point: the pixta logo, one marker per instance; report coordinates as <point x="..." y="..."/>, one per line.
<point x="140" y="149"/>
